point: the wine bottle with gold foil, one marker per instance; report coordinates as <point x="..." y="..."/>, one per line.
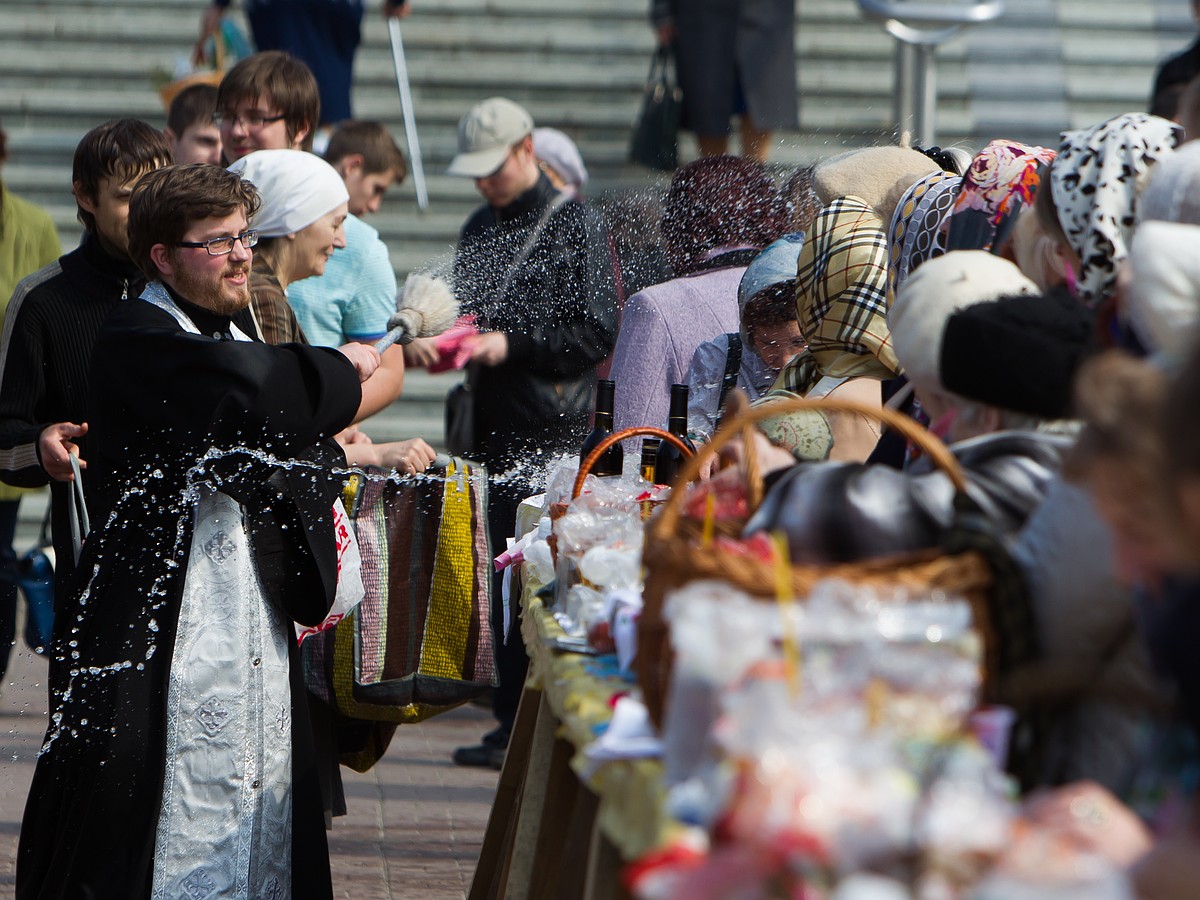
<point x="649" y="455"/>
<point x="612" y="462"/>
<point x="669" y="457"/>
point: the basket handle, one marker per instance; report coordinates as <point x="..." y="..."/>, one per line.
<point x="585" y="467"/>
<point x="668" y="517"/>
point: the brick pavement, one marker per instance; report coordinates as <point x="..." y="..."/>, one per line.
<point x="415" y="822"/>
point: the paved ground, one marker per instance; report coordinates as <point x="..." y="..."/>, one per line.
<point x="415" y="821"/>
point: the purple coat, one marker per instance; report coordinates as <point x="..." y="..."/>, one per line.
<point x="660" y="330"/>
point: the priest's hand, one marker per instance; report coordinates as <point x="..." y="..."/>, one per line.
<point x="55" y="446"/>
<point x="364" y="357"/>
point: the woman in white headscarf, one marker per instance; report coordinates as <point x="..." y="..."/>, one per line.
<point x="305" y="204"/>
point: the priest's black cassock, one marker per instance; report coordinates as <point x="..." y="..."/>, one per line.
<point x="179" y="413"/>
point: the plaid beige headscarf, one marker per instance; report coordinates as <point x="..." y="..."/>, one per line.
<point x="841" y="299"/>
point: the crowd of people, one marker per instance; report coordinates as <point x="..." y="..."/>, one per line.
<point x="205" y="360"/>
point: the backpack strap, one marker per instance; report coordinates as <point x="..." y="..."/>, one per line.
<point x="733" y="365"/>
<point x="825" y="387"/>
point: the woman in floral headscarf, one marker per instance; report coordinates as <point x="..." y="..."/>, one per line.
<point x="1094" y="185"/>
<point x="841" y="307"/>
<point x="1002" y="180"/>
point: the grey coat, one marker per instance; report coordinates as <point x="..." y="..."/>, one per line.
<point x="722" y="44"/>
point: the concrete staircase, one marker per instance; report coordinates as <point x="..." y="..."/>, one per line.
<point x="66" y="65"/>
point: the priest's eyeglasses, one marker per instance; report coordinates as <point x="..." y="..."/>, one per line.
<point x="220" y="246"/>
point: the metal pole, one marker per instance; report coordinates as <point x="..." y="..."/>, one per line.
<point x="926" y="94"/>
<point x="410" y="119"/>
<point x="902" y="96"/>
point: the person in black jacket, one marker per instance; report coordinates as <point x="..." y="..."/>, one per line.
<point x="1173" y="76"/>
<point x="55" y="314"/>
<point x="534" y="268"/>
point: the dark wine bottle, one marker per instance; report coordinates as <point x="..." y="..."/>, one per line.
<point x="669" y="457"/>
<point x="649" y="455"/>
<point x="612" y="462"/>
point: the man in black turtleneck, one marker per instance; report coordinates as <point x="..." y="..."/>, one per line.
<point x="55" y="314"/>
<point x="534" y="268"/>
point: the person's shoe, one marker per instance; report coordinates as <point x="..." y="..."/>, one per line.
<point x="481" y="756"/>
<point x="497" y="737"/>
<point x="488" y="754"/>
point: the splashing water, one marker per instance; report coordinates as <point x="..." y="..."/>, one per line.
<point x="476" y="269"/>
<point x="200" y="477"/>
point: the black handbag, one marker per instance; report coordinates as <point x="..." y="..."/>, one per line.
<point x="655" y="141"/>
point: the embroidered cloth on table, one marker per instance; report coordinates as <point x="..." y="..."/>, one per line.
<point x="225" y="828"/>
<point x="632" y="811"/>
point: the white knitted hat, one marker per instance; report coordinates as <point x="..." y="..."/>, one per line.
<point x="1163" y="300"/>
<point x="934" y="292"/>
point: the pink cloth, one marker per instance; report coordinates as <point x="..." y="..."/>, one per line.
<point x="451" y="344"/>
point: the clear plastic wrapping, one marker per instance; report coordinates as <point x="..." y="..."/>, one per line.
<point x="846" y="660"/>
<point x="826" y="749"/>
<point x="598" y="543"/>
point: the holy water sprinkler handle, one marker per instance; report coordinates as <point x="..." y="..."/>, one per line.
<point x="390" y="338"/>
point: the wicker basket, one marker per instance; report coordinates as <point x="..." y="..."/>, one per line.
<point x="675" y="555"/>
<point x="558" y="510"/>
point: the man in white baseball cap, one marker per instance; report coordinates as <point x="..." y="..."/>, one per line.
<point x="533" y="266"/>
<point x="495" y="147"/>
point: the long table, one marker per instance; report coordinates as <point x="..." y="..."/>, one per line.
<point x="554" y="833"/>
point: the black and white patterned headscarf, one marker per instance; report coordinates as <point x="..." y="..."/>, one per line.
<point x="1095" y="181"/>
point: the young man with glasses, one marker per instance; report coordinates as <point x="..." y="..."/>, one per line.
<point x="269" y="101"/>
<point x="54" y="316"/>
<point x="179" y="713"/>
